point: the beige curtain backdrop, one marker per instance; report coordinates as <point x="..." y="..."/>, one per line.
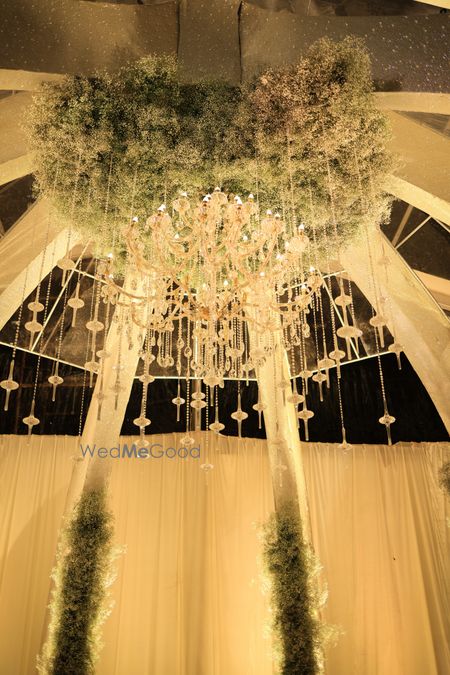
<point x="188" y="596"/>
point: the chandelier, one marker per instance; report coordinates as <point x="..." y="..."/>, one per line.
<point x="218" y="278"/>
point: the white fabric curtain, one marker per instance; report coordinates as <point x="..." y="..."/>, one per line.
<point x="188" y="596"/>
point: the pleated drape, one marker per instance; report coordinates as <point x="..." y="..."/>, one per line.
<point x="188" y="597"/>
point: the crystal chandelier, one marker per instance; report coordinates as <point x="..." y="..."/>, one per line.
<point x="218" y="278"/>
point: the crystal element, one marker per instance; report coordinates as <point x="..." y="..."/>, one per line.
<point x="305" y="415"/>
<point x="259" y="407"/>
<point x="9" y="385"/>
<point x="146" y="378"/>
<point x="396" y="349"/>
<point x="325" y="363"/>
<point x="198" y="395"/>
<point x="206" y="467"/>
<point x="296" y="398"/>
<point x="320" y="378"/>
<point x="95" y="326"/>
<point x="337" y="355"/>
<point x="31" y="421"/>
<point x="378" y="322"/>
<point x="141" y="422"/>
<point x="92" y="366"/>
<point x="217" y="426"/>
<point x="213" y="381"/>
<point x="187" y="441"/>
<point x="387" y="420"/>
<point x="103" y="354"/>
<point x="349" y="332"/>
<point x="33" y="327"/>
<point x="343" y="300"/>
<point x="198" y="405"/>
<point x="55" y="380"/>
<point x="65" y="264"/>
<point x="344" y="446"/>
<point x="35" y="306"/>
<point x="239" y="415"/>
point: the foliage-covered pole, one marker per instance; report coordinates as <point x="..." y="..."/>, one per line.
<point x="85" y="553"/>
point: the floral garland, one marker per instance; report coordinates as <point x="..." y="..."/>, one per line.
<point x="81" y="578"/>
<point x="299" y="636"/>
<point x="306" y="138"/>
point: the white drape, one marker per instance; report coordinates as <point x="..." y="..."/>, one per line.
<point x="188" y="598"/>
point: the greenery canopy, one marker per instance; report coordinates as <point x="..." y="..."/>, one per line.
<point x="108" y="147"/>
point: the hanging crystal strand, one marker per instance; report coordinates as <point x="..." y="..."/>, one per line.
<point x="118" y="367"/>
<point x="207" y="466"/>
<point x="94" y="326"/>
<point x="345" y="331"/>
<point x="336" y="354"/>
<point x="305" y="374"/>
<point x="178" y="400"/>
<point x="34" y="326"/>
<point x="395" y="347"/>
<point x="387" y="420"/>
<point x="102" y="355"/>
<point x="83" y="398"/>
<point x="188" y="440"/>
<point x="357" y="332"/>
<point x="319" y="377"/>
<point x="32" y="420"/>
<point x="294" y="397"/>
<point x="325" y="363"/>
<point x="55" y="379"/>
<point x="75" y="302"/>
<point x="304" y="413"/>
<point x="344" y="445"/>
<point x="143" y="421"/>
<point x="216" y="426"/>
<point x="259" y="406"/>
<point x="91" y="366"/>
<point x="66" y="263"/>
<point x="239" y="415"/>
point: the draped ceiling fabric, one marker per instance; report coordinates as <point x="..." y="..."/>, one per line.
<point x="188" y="595"/>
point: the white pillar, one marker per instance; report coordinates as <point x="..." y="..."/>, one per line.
<point x="103" y="429"/>
<point x="280" y="415"/>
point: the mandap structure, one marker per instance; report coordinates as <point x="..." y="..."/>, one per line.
<point x="219" y="196"/>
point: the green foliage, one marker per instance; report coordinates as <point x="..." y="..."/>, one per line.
<point x="81" y="577"/>
<point x="297" y="631"/>
<point x="444" y="478"/>
<point x="126" y="143"/>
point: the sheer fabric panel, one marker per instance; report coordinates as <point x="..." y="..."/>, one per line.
<point x="188" y="595"/>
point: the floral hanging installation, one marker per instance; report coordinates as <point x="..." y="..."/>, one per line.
<point x="215" y="216"/>
<point x="224" y="208"/>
